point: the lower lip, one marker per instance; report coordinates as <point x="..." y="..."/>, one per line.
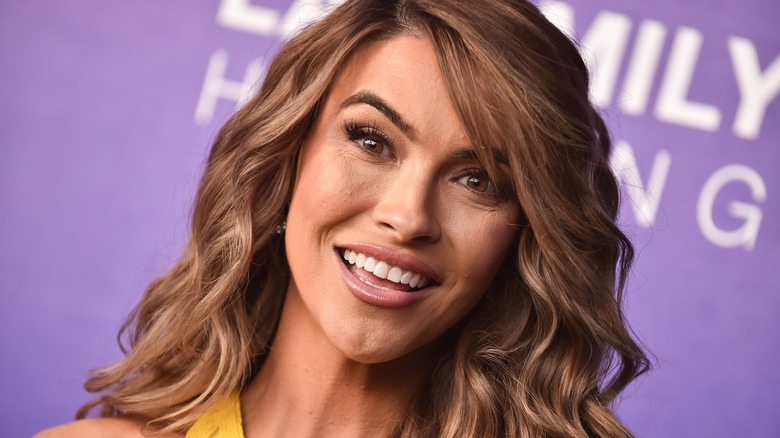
<point x="390" y="299"/>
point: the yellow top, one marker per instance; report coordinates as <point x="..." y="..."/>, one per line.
<point x="224" y="421"/>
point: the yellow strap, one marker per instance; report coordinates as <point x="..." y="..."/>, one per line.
<point x="224" y="421"/>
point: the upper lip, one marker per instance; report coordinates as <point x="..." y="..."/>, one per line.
<point x="403" y="261"/>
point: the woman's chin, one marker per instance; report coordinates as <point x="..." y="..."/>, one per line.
<point x="380" y="347"/>
<point x="372" y="351"/>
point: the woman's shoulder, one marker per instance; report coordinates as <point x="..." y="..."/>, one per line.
<point x="100" y="427"/>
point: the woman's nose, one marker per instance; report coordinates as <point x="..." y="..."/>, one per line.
<point x="406" y="208"/>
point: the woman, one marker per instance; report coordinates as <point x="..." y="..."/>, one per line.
<point x="410" y="231"/>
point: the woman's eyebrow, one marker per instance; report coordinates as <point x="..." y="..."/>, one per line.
<point x="369" y="98"/>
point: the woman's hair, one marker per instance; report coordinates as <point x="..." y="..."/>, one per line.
<point x="542" y="355"/>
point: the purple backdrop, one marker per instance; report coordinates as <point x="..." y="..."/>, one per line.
<point x="108" y="109"/>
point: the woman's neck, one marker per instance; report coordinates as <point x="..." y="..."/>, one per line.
<point x="307" y="388"/>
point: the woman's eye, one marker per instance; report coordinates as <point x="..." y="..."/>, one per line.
<point x="478" y="183"/>
<point x="371" y="145"/>
<point x="369" y="138"/>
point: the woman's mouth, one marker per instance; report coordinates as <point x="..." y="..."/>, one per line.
<point x="384" y="271"/>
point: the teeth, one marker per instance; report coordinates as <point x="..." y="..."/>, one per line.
<point x="394" y="275"/>
<point x="360" y="261"/>
<point x="370" y="264"/>
<point x="383" y="270"/>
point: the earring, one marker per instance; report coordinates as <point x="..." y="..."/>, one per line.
<point x="279" y="229"/>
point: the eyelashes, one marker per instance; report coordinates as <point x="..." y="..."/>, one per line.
<point x="369" y="138"/>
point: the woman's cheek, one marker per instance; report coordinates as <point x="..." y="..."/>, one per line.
<point x="329" y="180"/>
<point x="361" y="180"/>
<point x="490" y="234"/>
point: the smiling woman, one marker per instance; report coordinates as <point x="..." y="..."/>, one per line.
<point x="395" y="191"/>
<point x="410" y="231"/>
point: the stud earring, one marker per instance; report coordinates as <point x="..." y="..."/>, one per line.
<point x="279" y="229"/>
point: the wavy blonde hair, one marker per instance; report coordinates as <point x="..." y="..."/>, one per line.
<point x="547" y="350"/>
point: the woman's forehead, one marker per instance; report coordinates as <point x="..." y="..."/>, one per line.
<point x="400" y="79"/>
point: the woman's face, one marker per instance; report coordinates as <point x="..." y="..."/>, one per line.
<point x="395" y="230"/>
